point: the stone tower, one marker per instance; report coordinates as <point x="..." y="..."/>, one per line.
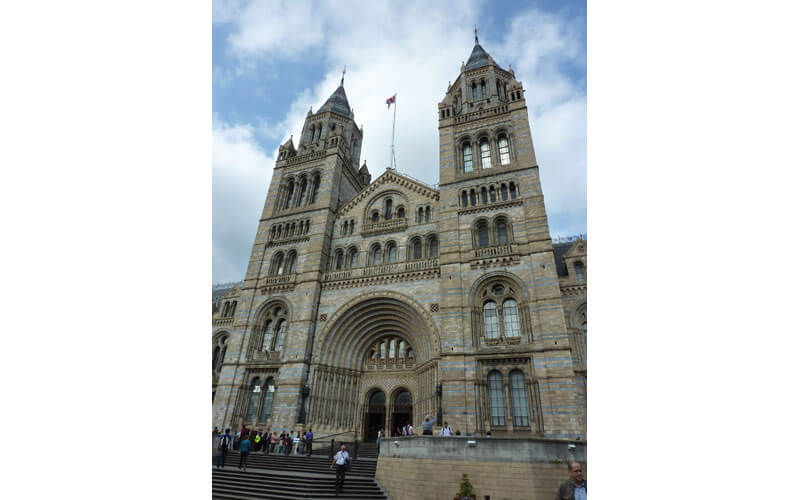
<point x="496" y="246"/>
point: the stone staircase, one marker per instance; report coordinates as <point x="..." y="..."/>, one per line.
<point x="365" y="450"/>
<point x="292" y="477"/>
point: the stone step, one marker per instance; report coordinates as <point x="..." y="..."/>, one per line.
<point x="360" y="467"/>
<point x="235" y="484"/>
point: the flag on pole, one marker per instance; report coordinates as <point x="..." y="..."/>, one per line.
<point x="390" y="101"/>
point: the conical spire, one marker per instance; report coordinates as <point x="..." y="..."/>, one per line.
<point x="337" y="102"/>
<point x="479" y="57"/>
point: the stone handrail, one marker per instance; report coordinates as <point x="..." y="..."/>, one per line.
<point x="386" y="226"/>
<point x="223" y="321"/>
<point x="493" y="251"/>
<point x="394" y="268"/>
<point x="277" y="280"/>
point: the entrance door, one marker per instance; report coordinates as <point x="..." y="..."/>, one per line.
<point x="403" y="413"/>
<point x="376" y="413"/>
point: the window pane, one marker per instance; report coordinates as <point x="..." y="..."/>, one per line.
<point x="267" y="341"/>
<point x="486" y="159"/>
<point x="502" y="233"/>
<point x="463" y="198"/>
<point x="467" y="151"/>
<point x="417" y="249"/>
<point x="490" y="324"/>
<point x="579" y="272"/>
<point x="292" y="261"/>
<point x="339" y="260"/>
<point x="483" y="235"/>
<point x="279" y="264"/>
<point x="434" y="248"/>
<point x="503" y="192"/>
<point x="281" y="335"/>
<point x="255" y="396"/>
<point x="353" y="258"/>
<point x="393" y="253"/>
<point x="391" y="348"/>
<point x="388" y="212"/>
<point x="519" y="399"/>
<point x="497" y="401"/>
<point x="484" y="197"/>
<point x="513" y="190"/>
<point x="511" y="318"/>
<point x="266" y="407"/>
<point x="215" y="359"/>
<point x="427" y="214"/>
<point x="316" y="189"/>
<point x="492" y="194"/>
<point x="375" y="217"/>
<point x="376" y="256"/>
<point x="505" y="157"/>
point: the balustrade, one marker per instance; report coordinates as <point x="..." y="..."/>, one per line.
<point x="493" y="251"/>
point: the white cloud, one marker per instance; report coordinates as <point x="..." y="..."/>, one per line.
<point x="414" y="52"/>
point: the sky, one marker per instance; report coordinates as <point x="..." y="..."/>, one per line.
<point x="273" y="60"/>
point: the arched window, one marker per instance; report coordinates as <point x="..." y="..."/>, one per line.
<point x="464" y="201"/>
<point x="225" y="309"/>
<point x="277" y="264"/>
<point x="279" y="232"/>
<point x="352" y="258"/>
<point x="510" y="318"/>
<point x="316" y="189"/>
<point x="483" y="234"/>
<point x="497" y="400"/>
<point x="302" y="192"/>
<point x="377" y="256"/>
<point x="410" y="353"/>
<point x="233" y="309"/>
<point x="388" y="210"/>
<point x="375" y="216"/>
<point x="502" y="232"/>
<point x="281" y="335"/>
<point x="484" y="197"/>
<point x="339" y="259"/>
<point x="291" y="262"/>
<point x="492" y="194"/>
<point x="472" y="197"/>
<point x="266" y="406"/>
<point x="503" y="192"/>
<point x="221" y="346"/>
<point x="513" y="190"/>
<point x="427" y="214"/>
<point x="289" y="193"/>
<point x="401" y="212"/>
<point x="483" y="89"/>
<point x="579" y="274"/>
<point x="502" y="145"/>
<point x="466" y="151"/>
<point x="403" y="399"/>
<point x="486" y="155"/>
<point x="474" y="92"/>
<point x="391" y="252"/>
<point x="255" y="395"/>
<point x="490" y="323"/>
<point x="417" y="248"/>
<point x="215" y="358"/>
<point x="377" y="399"/>
<point x="267" y="336"/>
<point x="433" y="247"/>
<point x="519" y="400"/>
<point x="420" y="215"/>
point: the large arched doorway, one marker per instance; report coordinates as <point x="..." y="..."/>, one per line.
<point x="376" y="414"/>
<point x="402" y="410"/>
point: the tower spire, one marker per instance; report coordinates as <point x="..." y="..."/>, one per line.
<point x="344" y="70"/>
<point x="476" y="34"/>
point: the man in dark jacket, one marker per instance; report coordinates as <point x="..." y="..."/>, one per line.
<point x="575" y="488"/>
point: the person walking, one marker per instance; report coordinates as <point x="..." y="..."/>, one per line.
<point x="287" y="443"/>
<point x="575" y="487"/>
<point x="309" y="441"/>
<point x="273" y="441"/>
<point x="224" y="443"/>
<point x="427" y="426"/>
<point x="296" y="441"/>
<point x="302" y="444"/>
<point x="244" y="449"/>
<point x="341" y="460"/>
<point x="446" y="430"/>
<point x="281" y="441"/>
<point x="257" y="441"/>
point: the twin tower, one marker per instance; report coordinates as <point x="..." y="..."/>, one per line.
<point x="369" y="304"/>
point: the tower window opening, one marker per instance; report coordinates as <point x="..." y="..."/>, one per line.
<point x="467" y="154"/>
<point x="483" y="89"/>
<point x="486" y="155"/>
<point x="505" y="157"/>
<point x="474" y="92"/>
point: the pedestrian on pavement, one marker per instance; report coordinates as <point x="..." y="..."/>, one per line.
<point x="427" y="426"/>
<point x="380" y="431"/>
<point x="257" y="441"/>
<point x="341" y="460"/>
<point x="302" y="443"/>
<point x="224" y="443"/>
<point x="446" y="430"/>
<point x="309" y="441"/>
<point x="296" y="441"/>
<point x="273" y="441"/>
<point x="287" y="443"/>
<point x="244" y="449"/>
<point x="575" y="487"/>
<point x="266" y="440"/>
<point x="281" y="441"/>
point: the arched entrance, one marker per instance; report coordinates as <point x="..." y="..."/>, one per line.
<point x="402" y="411"/>
<point x="376" y="414"/>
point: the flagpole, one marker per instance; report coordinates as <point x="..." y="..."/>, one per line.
<point x="394" y="119"/>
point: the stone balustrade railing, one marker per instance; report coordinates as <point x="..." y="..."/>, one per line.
<point x="386" y="226"/>
<point x="485" y="252"/>
<point x="394" y="268"/>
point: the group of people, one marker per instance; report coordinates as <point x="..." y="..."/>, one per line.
<point x="246" y="440"/>
<point x="427" y="430"/>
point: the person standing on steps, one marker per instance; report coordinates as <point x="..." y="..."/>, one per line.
<point x="427" y="426"/>
<point x="575" y="487"/>
<point x="224" y="443"/>
<point x="244" y="449"/>
<point x="341" y="460"/>
<point x="446" y="430"/>
<point x="309" y="441"/>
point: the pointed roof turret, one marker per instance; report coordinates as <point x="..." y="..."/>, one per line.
<point x="290" y="143"/>
<point x="479" y="57"/>
<point x="337" y="102"/>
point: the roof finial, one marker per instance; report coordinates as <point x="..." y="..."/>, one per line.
<point x="344" y="70"/>
<point x="476" y="34"/>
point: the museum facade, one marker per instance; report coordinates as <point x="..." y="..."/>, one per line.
<point x="368" y="304"/>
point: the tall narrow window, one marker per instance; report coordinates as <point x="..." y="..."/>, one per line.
<point x="579" y="274"/>
<point x="420" y="216"/>
<point x="505" y="157"/>
<point x="267" y="339"/>
<point x="401" y="213"/>
<point x="464" y="201"/>
<point x="433" y="249"/>
<point x="375" y="216"/>
<point x="255" y="396"/>
<point x="490" y="324"/>
<point x="513" y="189"/>
<point x="502" y="232"/>
<point x="376" y="255"/>
<point x="417" y="249"/>
<point x="316" y="189"/>
<point x="281" y="335"/>
<point x="503" y="192"/>
<point x="291" y="263"/>
<point x="388" y="212"/>
<point x="339" y="259"/>
<point x="486" y="155"/>
<point x="215" y="359"/>
<point x="353" y="257"/>
<point x="510" y="318"/>
<point x="266" y="406"/>
<point x="497" y="400"/>
<point x="484" y="198"/>
<point x="483" y="234"/>
<point x="492" y="194"/>
<point x="277" y="265"/>
<point x="466" y="151"/>
<point x="474" y="93"/>
<point x="289" y="193"/>
<point x="472" y="197"/>
<point x="392" y="348"/>
<point x="483" y="89"/>
<point x="427" y="214"/>
<point x="392" y="252"/>
<point x="383" y="350"/>
<point x="519" y="400"/>
<point x="301" y="194"/>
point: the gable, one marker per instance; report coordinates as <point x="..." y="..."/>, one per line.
<point x="403" y="191"/>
